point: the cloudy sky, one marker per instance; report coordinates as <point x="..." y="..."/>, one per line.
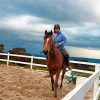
<point x="22" y="24"/>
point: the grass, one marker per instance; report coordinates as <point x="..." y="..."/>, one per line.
<point x="81" y="74"/>
<point x="99" y="97"/>
<point x="25" y="66"/>
<point x="45" y="69"/>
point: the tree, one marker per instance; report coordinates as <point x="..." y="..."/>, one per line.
<point x="20" y="51"/>
<point x="1" y="48"/>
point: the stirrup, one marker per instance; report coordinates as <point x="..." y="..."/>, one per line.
<point x="69" y="68"/>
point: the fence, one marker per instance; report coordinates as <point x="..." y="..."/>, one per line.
<point x="24" y="56"/>
<point x="77" y="93"/>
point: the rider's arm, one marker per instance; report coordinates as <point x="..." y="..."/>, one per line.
<point x="63" y="40"/>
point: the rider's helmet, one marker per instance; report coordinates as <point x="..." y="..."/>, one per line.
<point x="57" y="26"/>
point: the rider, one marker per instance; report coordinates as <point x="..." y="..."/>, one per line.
<point x="60" y="41"/>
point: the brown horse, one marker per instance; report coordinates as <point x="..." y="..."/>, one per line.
<point x="54" y="61"/>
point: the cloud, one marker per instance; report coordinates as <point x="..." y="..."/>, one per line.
<point x="31" y="27"/>
<point x="25" y="26"/>
<point x="62" y="11"/>
<point x="79" y="20"/>
<point x="83" y="52"/>
<point x="82" y="10"/>
<point x="23" y="22"/>
<point x="66" y="12"/>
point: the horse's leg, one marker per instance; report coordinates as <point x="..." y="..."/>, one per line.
<point x="52" y="81"/>
<point x="56" y="83"/>
<point x="62" y="76"/>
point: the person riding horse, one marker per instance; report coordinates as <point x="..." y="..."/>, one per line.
<point x="55" y="62"/>
<point x="60" y="41"/>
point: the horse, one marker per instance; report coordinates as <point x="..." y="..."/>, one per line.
<point x="55" y="62"/>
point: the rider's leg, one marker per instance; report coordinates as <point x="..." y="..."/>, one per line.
<point x="67" y="58"/>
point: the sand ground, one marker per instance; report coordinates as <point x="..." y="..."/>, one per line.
<point x="17" y="83"/>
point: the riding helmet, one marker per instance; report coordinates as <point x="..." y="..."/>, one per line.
<point x="57" y="26"/>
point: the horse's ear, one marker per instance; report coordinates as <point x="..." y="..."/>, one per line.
<point x="45" y="32"/>
<point x="51" y="32"/>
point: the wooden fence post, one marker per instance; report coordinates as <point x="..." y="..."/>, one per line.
<point x="96" y="83"/>
<point x="31" y="62"/>
<point x="8" y="58"/>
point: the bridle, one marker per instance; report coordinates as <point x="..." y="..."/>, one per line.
<point x="50" y="51"/>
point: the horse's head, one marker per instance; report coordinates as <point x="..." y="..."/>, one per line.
<point x="48" y="42"/>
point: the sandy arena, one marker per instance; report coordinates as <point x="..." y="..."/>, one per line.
<point x="17" y="83"/>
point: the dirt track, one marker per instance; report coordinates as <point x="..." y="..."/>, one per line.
<point x="17" y="83"/>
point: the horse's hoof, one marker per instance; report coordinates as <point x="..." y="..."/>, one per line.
<point x="60" y="86"/>
<point x="55" y="96"/>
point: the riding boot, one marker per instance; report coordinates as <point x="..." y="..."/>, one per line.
<point x="66" y="58"/>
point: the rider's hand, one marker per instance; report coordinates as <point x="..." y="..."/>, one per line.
<point x="59" y="44"/>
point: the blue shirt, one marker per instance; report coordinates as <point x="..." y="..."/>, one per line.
<point x="59" y="38"/>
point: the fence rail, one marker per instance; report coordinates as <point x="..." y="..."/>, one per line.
<point x="80" y="90"/>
